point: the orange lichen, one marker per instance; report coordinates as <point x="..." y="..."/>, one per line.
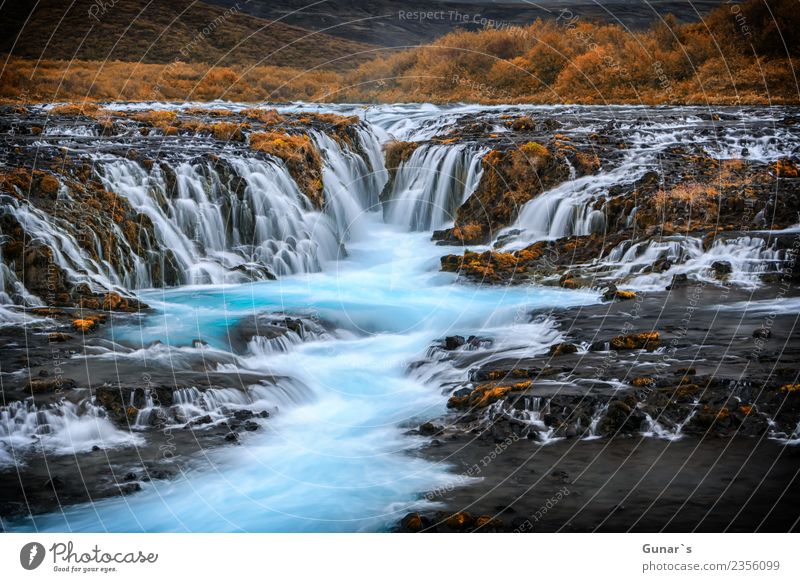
<point x="84" y="325"/>
<point x="784" y="168"/>
<point x="281" y="145"/>
<point x="228" y="131"/>
<point x="641" y="381"/>
<point x="534" y="149"/>
<point x="268" y="116"/>
<point x="638" y="341"/>
<point x="624" y="295"/>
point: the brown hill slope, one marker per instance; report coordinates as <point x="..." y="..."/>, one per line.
<point x="164" y="31"/>
<point x="740" y="53"/>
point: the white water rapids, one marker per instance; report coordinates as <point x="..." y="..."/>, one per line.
<point x="336" y="456"/>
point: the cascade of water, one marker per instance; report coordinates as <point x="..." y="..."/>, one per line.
<point x="61" y="428"/>
<point x="747" y="256"/>
<point x="568" y="209"/>
<point x="430" y="186"/>
<point x="234" y="220"/>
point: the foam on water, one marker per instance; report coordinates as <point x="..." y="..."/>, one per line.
<point x="338" y="459"/>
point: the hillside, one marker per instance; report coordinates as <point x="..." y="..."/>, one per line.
<point x="162" y="32"/>
<point x="385" y="22"/>
<point x="739" y="55"/>
<point x="733" y="56"/>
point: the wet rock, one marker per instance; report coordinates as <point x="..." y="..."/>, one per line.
<point x="762" y="333"/>
<point x="412" y="523"/>
<point x="637" y="341"/>
<point x="205" y="419"/>
<point x="429" y="429"/>
<point x="454" y="342"/>
<point x="721" y="269"/>
<point x="563" y="348"/>
<point x="460" y="521"/>
<point x="662" y="265"/>
<point x="49" y="384"/>
<point x="678" y="280"/>
<point x="620" y="418"/>
<point x="129" y="488"/>
<point x="57" y="337"/>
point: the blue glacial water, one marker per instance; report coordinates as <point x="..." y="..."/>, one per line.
<point x="339" y="459"/>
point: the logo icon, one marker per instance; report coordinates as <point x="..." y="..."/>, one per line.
<point x="31" y="555"/>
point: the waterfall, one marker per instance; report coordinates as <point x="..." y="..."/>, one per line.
<point x="430" y="186"/>
<point x="61" y="428"/>
<point x="351" y="183"/>
<point x="230" y="219"/>
<point x="568" y="209"/>
<point x="747" y="257"/>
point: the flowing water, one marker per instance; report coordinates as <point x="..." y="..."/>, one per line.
<point x="334" y="454"/>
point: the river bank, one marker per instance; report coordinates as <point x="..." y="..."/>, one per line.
<point x="641" y="439"/>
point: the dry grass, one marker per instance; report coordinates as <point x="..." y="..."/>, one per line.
<point x="281" y="145"/>
<point x="545" y="62"/>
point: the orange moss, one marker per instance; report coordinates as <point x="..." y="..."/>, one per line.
<point x="789" y="388"/>
<point x="49" y="184"/>
<point x="638" y="341"/>
<point x="267" y="116"/>
<point x="75" y="109"/>
<point x="533" y="148"/>
<point x="300" y="156"/>
<point x="624" y="295"/>
<point x="84" y="325"/>
<point x="228" y="131"/>
<point x="784" y="168"/>
<point x="281" y="145"/>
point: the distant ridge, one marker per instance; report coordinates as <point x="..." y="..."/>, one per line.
<point x="164" y="31"/>
<point x="384" y="22"/>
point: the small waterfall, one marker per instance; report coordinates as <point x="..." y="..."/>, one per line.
<point x="430" y="186"/>
<point x="597" y="416"/>
<point x="218" y="403"/>
<point x="12" y="291"/>
<point x="61" y="428"/>
<point x="568" y="209"/>
<point x="351" y="183"/>
<point x="528" y="411"/>
<point x="59" y="235"/>
<point x="653" y="428"/>
<point x="746" y="257"/>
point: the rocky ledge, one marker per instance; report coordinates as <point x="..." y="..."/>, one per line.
<point x="684" y="368"/>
